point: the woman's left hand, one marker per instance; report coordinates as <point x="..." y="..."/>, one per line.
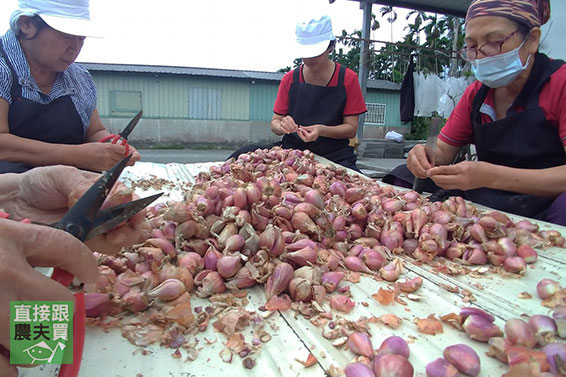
<point x="465" y="175"/>
<point x="45" y="194"/>
<point x="136" y="156"/>
<point x="309" y="133"/>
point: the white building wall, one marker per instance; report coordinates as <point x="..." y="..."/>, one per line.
<point x="553" y="43"/>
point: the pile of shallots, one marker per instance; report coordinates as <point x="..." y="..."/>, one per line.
<point x="279" y="218"/>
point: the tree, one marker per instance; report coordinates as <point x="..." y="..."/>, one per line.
<point x="296" y="63"/>
<point x="429" y="36"/>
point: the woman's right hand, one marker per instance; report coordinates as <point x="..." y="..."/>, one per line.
<point x="288" y="125"/>
<point x="24" y="246"/>
<point x="100" y="157"/>
<point x="418" y="162"/>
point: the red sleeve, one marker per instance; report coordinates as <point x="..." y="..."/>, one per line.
<point x="281" y="106"/>
<point x="458" y="128"/>
<point x="553" y="101"/>
<point x="355" y="103"/>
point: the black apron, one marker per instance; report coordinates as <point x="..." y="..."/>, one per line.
<point x="57" y="122"/>
<point x="312" y="104"/>
<point x="503" y="142"/>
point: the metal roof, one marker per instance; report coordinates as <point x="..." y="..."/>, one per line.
<point x="449" y="7"/>
<point x="211" y="72"/>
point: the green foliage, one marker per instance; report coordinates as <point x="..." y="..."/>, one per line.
<point x="429" y="36"/>
<point x="296" y="63"/>
<point x="419" y="128"/>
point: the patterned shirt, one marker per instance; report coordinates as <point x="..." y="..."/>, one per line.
<point x="75" y="81"/>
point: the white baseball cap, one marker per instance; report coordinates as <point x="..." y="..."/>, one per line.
<point x="313" y="36"/>
<point x="67" y="16"/>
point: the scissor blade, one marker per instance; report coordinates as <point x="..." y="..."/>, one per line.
<point x="430" y="149"/>
<point x="109" y="218"/>
<point x="431" y="139"/>
<point x="79" y="219"/>
<point x="130" y="127"/>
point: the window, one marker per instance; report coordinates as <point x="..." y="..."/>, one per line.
<point x="204" y="103"/>
<point x="125" y="103"/>
<point x="375" y="114"/>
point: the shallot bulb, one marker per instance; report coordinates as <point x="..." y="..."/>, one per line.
<point x="545" y="328"/>
<point x="360" y="344"/>
<point x="169" y="290"/>
<point x="556" y="357"/>
<point x="520" y="333"/>
<point x="516" y="265"/>
<point x="358" y="370"/>
<point x="331" y="279"/>
<point x="464" y="358"/>
<point x="391" y="365"/>
<point x="395" y="345"/>
<point x="441" y="368"/>
<point x="546" y="288"/>
<point x="478" y="328"/>
<point x="96" y="304"/>
<point x="279" y="280"/>
<point x="228" y="265"/>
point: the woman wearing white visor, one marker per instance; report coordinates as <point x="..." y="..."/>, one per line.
<point x="48" y="110"/>
<point x="318" y="104"/>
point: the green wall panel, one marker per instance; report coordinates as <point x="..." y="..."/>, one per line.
<point x="392" y="100"/>
<point x="262" y="99"/>
<point x="168" y="96"/>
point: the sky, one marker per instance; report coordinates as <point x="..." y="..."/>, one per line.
<point x="229" y="34"/>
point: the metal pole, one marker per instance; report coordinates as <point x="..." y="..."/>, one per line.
<point x="364" y="60"/>
<point x="454" y="61"/>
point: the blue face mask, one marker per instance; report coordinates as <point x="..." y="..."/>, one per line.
<point x="499" y="70"/>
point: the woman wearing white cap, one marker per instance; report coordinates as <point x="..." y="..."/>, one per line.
<point x="318" y="104"/>
<point x="48" y="110"/>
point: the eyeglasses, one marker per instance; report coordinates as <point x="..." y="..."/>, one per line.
<point x="488" y="49"/>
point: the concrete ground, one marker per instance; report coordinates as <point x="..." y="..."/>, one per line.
<point x="184" y="156"/>
<point x="372" y="167"/>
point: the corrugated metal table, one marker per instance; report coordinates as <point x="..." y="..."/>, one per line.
<point x="108" y="354"/>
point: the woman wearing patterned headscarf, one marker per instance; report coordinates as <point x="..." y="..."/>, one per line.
<point x="515" y="114"/>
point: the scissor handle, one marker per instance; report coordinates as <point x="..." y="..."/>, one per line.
<point x="62" y="276"/>
<point x="79" y="317"/>
<point x="113" y="138"/>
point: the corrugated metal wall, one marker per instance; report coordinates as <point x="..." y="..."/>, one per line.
<point x="168" y="96"/>
<point x="262" y="99"/>
<point x="392" y="101"/>
<point x="184" y="97"/>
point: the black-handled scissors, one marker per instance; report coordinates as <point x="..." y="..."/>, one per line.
<point x="85" y="220"/>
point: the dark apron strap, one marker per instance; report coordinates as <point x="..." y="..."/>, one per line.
<point x="296" y="75"/>
<point x="341" y="75"/>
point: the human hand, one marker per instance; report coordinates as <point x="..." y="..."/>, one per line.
<point x="418" y="162"/>
<point x="45" y="194"/>
<point x="24" y="246"/>
<point x="288" y="125"/>
<point x="309" y="133"/>
<point x="136" y="156"/>
<point x="465" y="175"/>
<point x="100" y="157"/>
